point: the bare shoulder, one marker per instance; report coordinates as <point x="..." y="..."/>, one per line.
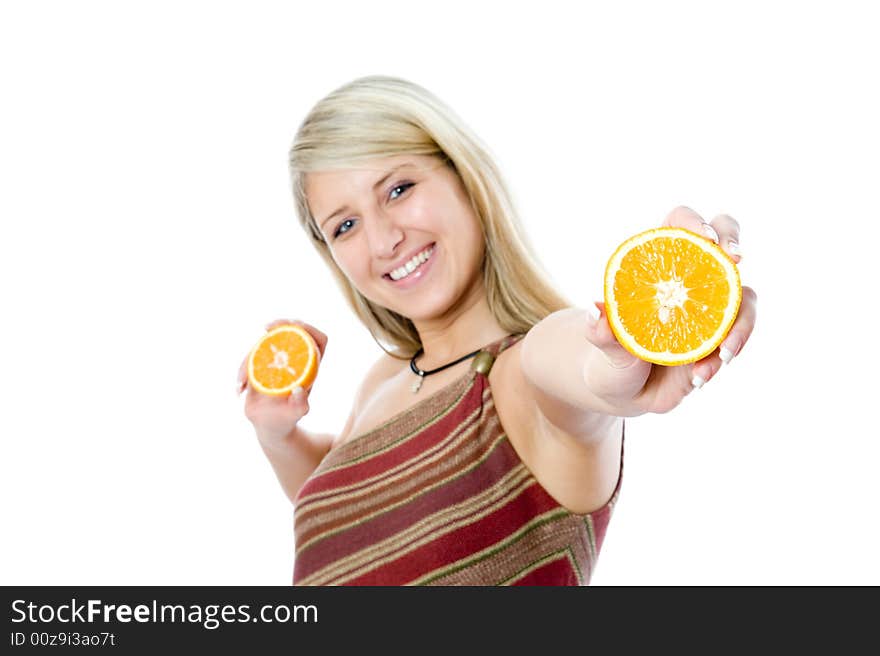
<point x="380" y="371"/>
<point x="385" y="367"/>
<point x="580" y="474"/>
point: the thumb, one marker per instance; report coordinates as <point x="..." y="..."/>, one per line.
<point x="299" y="399"/>
<point x="598" y="332"/>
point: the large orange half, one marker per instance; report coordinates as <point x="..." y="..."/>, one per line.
<point x="671" y="295"/>
<point x="285" y="357"/>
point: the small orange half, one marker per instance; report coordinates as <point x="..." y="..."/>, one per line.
<point x="671" y="295"/>
<point x="285" y="357"/>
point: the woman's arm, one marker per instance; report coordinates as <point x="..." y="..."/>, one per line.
<point x="295" y="457"/>
<point x="556" y="360"/>
<point x="298" y="454"/>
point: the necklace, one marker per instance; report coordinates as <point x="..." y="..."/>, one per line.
<point x="421" y="373"/>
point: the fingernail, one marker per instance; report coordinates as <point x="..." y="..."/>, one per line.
<point x="726" y="355"/>
<point x="297" y="391"/>
<point x="593" y="312"/>
<point x="710" y="232"/>
<point x="697" y="382"/>
<point x="733" y="248"/>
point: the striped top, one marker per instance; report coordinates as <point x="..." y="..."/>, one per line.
<point x="438" y="496"/>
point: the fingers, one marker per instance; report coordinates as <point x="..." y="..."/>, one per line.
<point x="276" y="415"/>
<point x="703" y="370"/>
<point x="299" y="399"/>
<point x="728" y="232"/>
<point x="241" y="379"/>
<point x="723" y="229"/>
<point x="742" y="327"/>
<point x="685" y="217"/>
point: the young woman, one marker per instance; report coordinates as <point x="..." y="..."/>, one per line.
<point x="485" y="446"/>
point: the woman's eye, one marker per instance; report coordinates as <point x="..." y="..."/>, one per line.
<point x="403" y="187"/>
<point x="339" y="230"/>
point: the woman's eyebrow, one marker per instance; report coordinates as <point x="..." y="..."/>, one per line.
<point x="377" y="184"/>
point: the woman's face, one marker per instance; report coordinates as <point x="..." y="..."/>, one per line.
<point x="381" y="221"/>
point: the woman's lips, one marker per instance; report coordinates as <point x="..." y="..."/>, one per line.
<point x="418" y="273"/>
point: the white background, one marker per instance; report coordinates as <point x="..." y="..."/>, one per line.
<point x="148" y="234"/>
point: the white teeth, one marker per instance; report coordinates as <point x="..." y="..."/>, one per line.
<point x="411" y="266"/>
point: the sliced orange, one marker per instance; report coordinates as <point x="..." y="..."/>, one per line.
<point x="671" y="295"/>
<point x="285" y="357"/>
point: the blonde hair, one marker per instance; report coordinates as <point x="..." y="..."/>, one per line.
<point x="380" y="116"/>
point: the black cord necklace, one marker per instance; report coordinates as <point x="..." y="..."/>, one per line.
<point x="421" y="373"/>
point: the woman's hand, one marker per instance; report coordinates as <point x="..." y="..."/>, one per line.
<point x="633" y="386"/>
<point x="275" y="417"/>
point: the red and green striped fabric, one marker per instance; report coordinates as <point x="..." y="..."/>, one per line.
<point x="438" y="496"/>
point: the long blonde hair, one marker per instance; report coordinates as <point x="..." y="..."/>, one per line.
<point x="381" y="116"/>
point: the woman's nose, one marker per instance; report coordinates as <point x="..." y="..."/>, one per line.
<point x="383" y="234"/>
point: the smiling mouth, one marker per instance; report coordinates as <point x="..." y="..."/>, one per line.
<point x="414" y="264"/>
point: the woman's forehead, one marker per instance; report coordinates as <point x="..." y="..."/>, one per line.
<point x="363" y="176"/>
<point x="376" y="165"/>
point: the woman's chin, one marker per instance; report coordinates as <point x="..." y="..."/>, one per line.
<point x="421" y="310"/>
